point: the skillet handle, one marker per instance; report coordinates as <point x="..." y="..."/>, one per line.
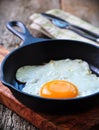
<point x="24" y="34"/>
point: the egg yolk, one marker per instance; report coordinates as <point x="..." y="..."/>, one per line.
<point x="58" y="89"/>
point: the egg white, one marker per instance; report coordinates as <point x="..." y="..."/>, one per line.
<point x="75" y="71"/>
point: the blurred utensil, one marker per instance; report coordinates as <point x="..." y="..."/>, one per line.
<point x="61" y="23"/>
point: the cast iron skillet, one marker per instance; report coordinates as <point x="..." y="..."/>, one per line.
<point x="36" y="51"/>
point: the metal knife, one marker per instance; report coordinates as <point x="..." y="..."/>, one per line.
<point x="61" y="23"/>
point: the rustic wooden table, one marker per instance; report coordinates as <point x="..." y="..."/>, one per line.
<point x="21" y="10"/>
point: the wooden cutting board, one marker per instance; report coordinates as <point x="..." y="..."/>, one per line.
<point x="86" y="120"/>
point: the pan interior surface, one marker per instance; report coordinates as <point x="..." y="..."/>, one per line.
<point x="40" y="53"/>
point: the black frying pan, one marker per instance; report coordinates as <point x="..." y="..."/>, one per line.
<point x="36" y="51"/>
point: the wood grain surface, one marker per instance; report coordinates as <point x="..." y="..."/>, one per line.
<point x="85" y="9"/>
<point x="86" y="120"/>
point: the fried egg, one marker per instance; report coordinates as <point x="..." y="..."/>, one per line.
<point x="59" y="79"/>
